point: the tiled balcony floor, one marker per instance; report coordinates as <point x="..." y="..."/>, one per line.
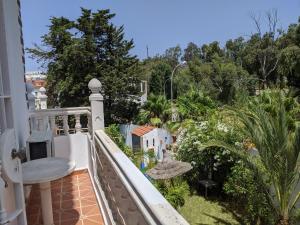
<point x="73" y="200"/>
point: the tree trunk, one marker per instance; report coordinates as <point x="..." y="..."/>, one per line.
<point x="283" y="222"/>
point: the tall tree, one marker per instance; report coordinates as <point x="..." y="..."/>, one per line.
<point x="191" y="52"/>
<point x="159" y="83"/>
<point x="91" y="46"/>
<point x="264" y="48"/>
<point x="173" y="55"/>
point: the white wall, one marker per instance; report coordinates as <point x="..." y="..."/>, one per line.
<point x="12" y="66"/>
<point x="126" y="130"/>
<point x="161" y="138"/>
<point x="73" y="147"/>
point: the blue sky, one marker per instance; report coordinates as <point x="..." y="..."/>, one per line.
<point x="161" y="24"/>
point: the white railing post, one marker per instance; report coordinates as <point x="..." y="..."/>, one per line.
<point x="65" y="124"/>
<point x="53" y="125"/>
<point x="96" y="100"/>
<point x="77" y="123"/>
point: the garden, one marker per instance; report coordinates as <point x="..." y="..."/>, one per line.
<point x="233" y="110"/>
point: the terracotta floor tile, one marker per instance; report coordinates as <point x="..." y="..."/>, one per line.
<point x="72" y="222"/>
<point x="97" y="219"/>
<point x="70" y="195"/>
<point x="88" y="222"/>
<point x="70" y="204"/>
<point x="70" y="188"/>
<point x="90" y="210"/>
<point x="70" y="214"/>
<point x="86" y="193"/>
<point x="88" y="202"/>
<point x="73" y="201"/>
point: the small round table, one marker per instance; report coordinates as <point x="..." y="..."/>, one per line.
<point x="42" y="171"/>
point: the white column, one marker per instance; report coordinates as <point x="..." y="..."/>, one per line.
<point x="46" y="203"/>
<point x="96" y="100"/>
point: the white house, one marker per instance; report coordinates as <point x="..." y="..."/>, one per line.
<point x="149" y="137"/>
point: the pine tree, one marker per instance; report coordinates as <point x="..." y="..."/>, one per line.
<point x="73" y="52"/>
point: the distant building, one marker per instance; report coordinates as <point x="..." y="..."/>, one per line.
<point x="36" y="78"/>
<point x="147" y="138"/>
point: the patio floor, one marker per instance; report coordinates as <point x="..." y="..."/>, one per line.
<point x="73" y="200"/>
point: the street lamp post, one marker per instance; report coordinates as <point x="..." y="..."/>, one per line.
<point x="172" y="75"/>
<point x="165" y="86"/>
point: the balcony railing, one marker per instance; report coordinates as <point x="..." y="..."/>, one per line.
<point x="124" y="194"/>
<point x="124" y="190"/>
<point x="62" y="121"/>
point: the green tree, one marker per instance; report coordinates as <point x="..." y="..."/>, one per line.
<point x="74" y="51"/>
<point x="278" y="153"/>
<point x="191" y="52"/>
<point x="159" y="83"/>
<point x="157" y="106"/>
<point x="195" y="105"/>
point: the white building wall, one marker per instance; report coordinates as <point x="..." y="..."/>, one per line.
<point x="13" y="66"/>
<point x="161" y="138"/>
<point x="126" y="131"/>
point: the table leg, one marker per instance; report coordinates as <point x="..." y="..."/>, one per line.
<point x="46" y="201"/>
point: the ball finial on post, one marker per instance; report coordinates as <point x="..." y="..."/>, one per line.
<point x="96" y="100"/>
<point x="95" y="85"/>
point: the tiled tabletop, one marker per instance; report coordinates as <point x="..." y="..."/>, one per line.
<point x="73" y="200"/>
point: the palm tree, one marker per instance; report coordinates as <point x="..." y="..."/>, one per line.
<point x="157" y="106"/>
<point x="278" y="149"/>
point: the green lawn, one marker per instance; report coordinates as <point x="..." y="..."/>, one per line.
<point x="198" y="211"/>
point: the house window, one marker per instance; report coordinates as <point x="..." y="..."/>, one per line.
<point x="147" y="143"/>
<point x="153" y="141"/>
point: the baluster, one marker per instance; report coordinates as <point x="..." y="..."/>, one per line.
<point x="53" y="125"/>
<point x="77" y="123"/>
<point x="40" y="124"/>
<point x="65" y="124"/>
<point x="89" y="125"/>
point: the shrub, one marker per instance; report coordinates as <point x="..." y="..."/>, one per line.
<point x="174" y="191"/>
<point x="247" y="195"/>
<point x="114" y="133"/>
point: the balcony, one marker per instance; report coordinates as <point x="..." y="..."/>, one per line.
<point x="106" y="188"/>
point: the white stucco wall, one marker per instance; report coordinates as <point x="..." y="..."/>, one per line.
<point x="161" y="138"/>
<point x="126" y="130"/>
<point x="11" y="52"/>
<point x="73" y="147"/>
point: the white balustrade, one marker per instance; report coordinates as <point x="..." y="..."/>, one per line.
<point x="62" y="121"/>
<point x="130" y="196"/>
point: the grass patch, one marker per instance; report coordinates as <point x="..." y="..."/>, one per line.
<point x="199" y="211"/>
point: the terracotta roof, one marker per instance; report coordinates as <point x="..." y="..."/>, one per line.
<point x="140" y="131"/>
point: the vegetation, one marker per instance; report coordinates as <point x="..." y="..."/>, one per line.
<point x="75" y="51"/>
<point x="278" y="153"/>
<point x="175" y="191"/>
<point x="231" y="102"/>
<point x="198" y="210"/>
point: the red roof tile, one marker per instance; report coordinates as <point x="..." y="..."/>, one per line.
<point x="140" y="131"/>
